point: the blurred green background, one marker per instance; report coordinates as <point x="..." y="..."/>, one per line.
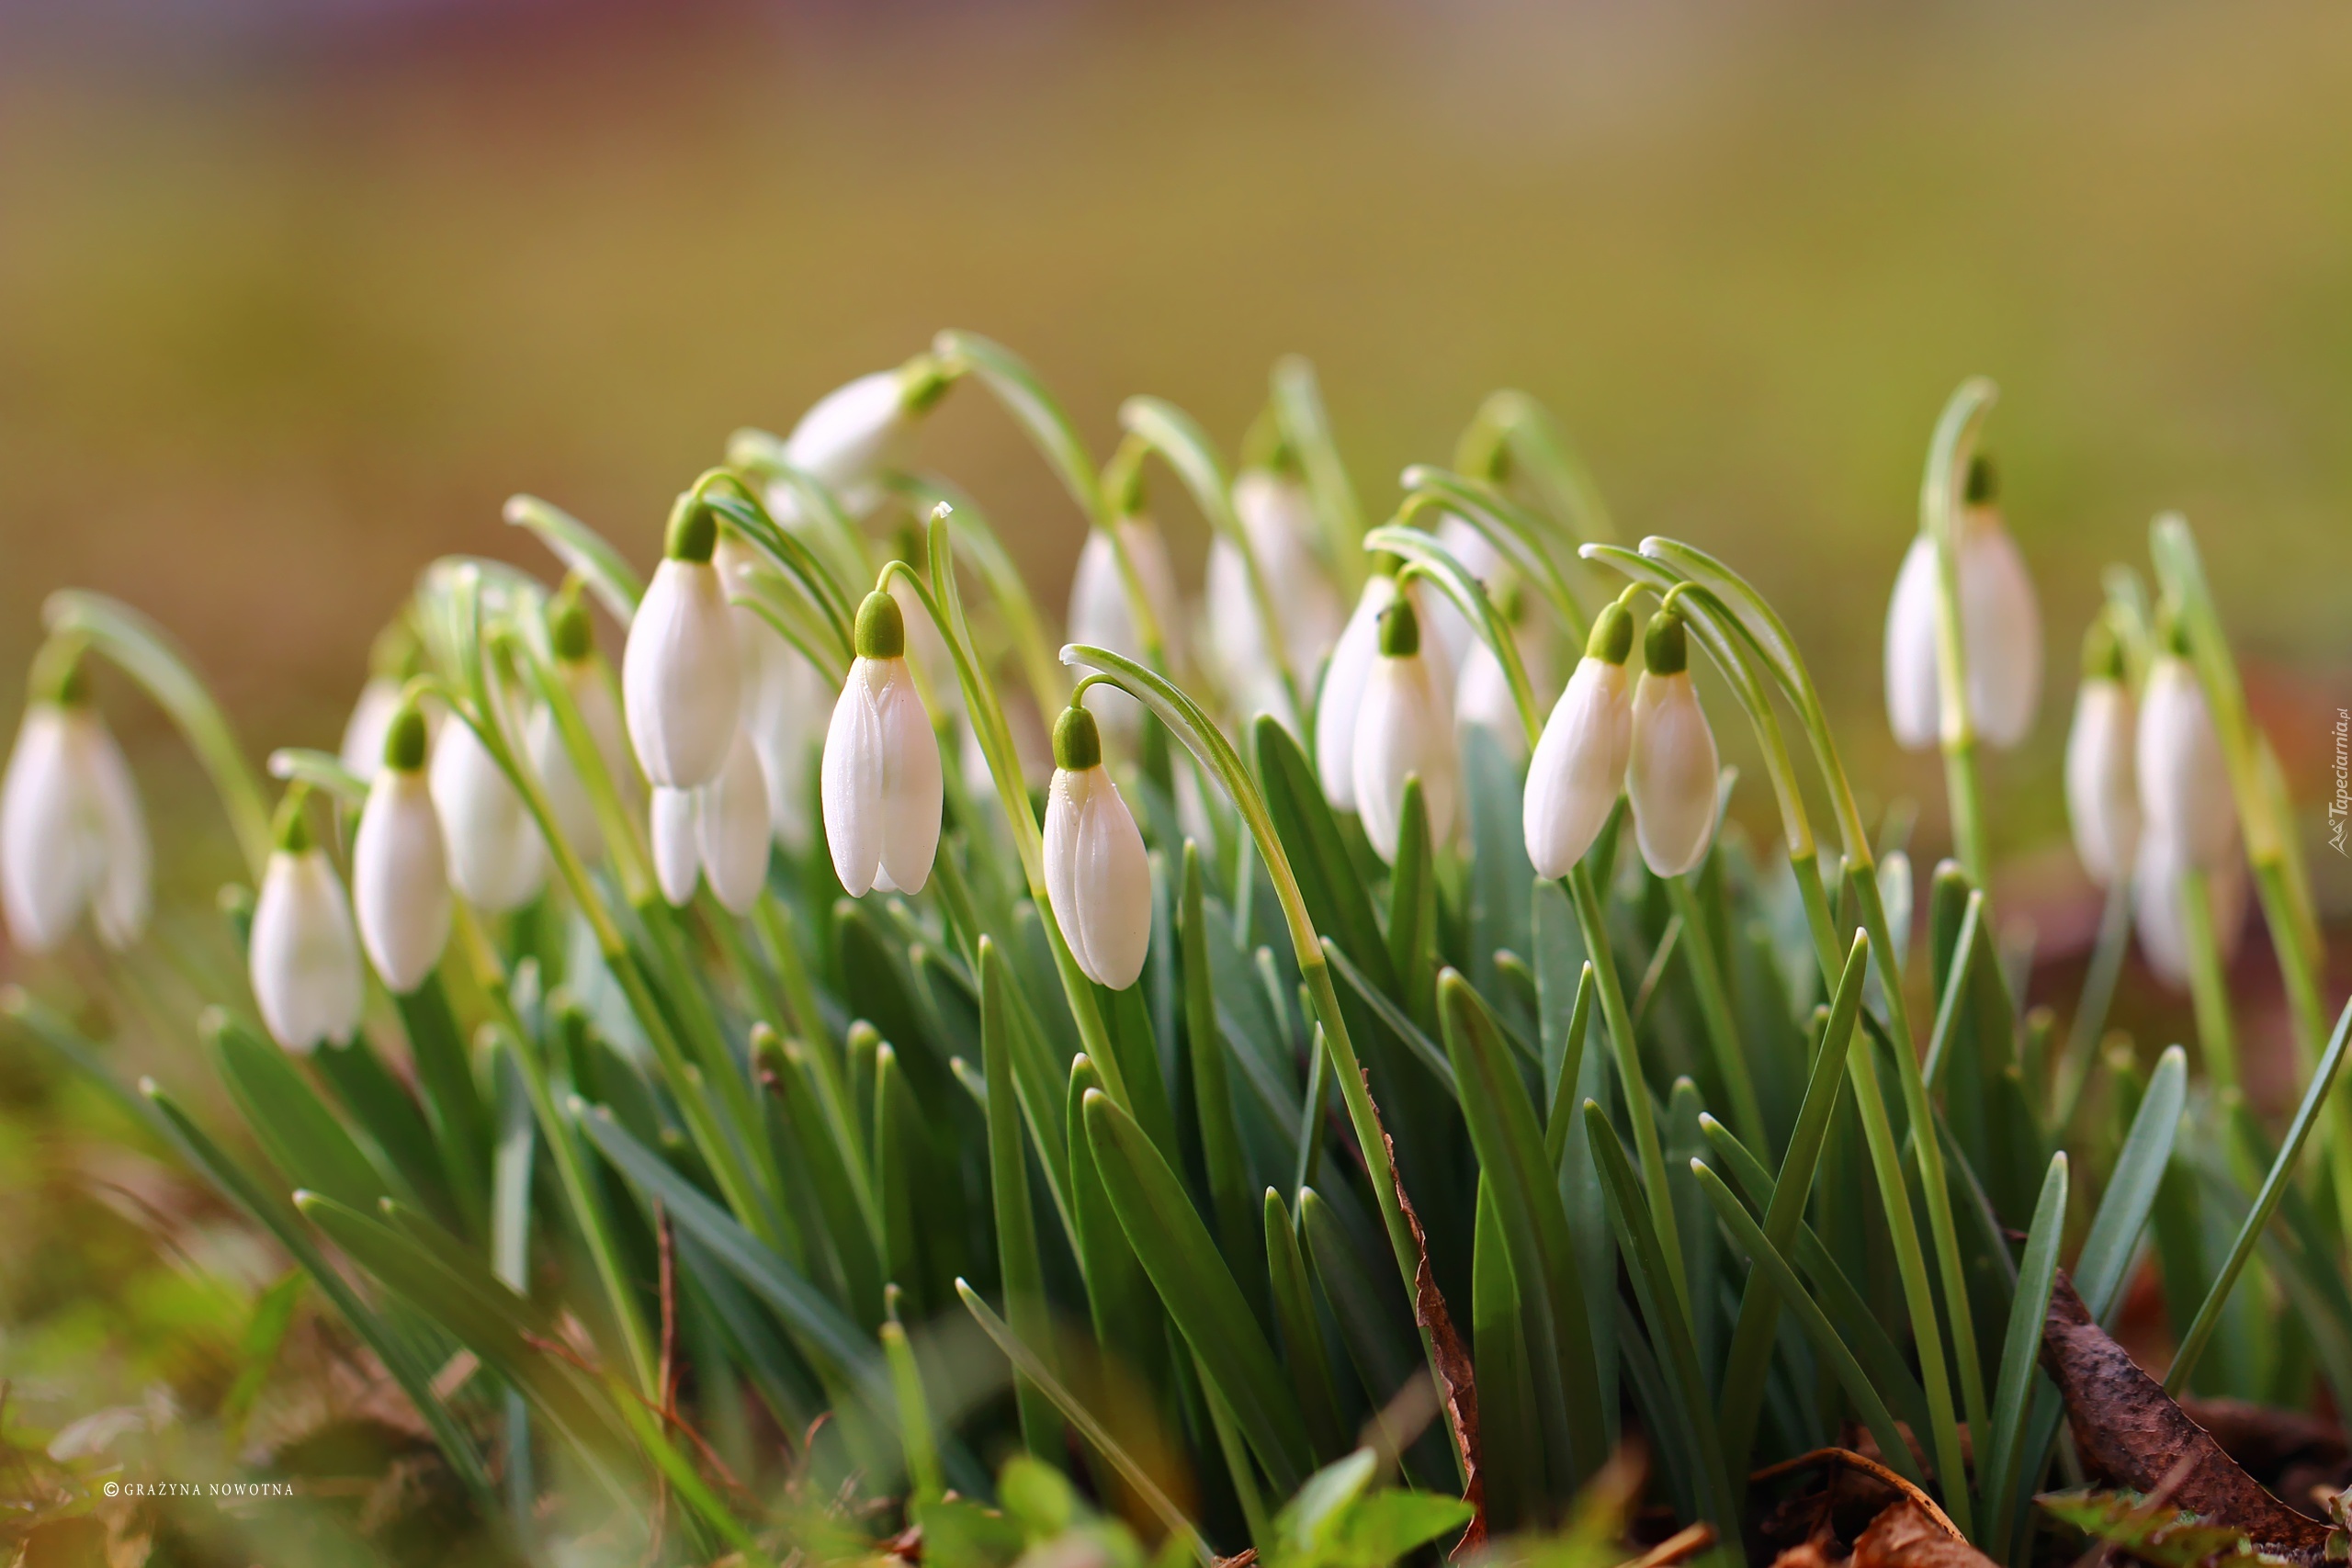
<point x="293" y="296"/>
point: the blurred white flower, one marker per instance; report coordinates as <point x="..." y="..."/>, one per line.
<point x="1671" y="768"/>
<point x="591" y="695"/>
<point x="497" y="858"/>
<point x="2102" y="782"/>
<point x="1403" y="729"/>
<point x="731" y="829"/>
<point x="1579" y="768"/>
<point x="2000" y="630"/>
<point x="363" y="733"/>
<point x="857" y="433"/>
<point x="303" y="955"/>
<point x="1277" y="517"/>
<point x="1100" y="612"/>
<point x="1482" y="697"/>
<point x="2159" y="910"/>
<point x="1097" y="877"/>
<point x="2185" y="796"/>
<point x="1478" y="555"/>
<point x="880" y="784"/>
<point x="1338" y="705"/>
<point x="784" y="703"/>
<point x="72" y="836"/>
<point x="676" y="833"/>
<point x="399" y="876"/>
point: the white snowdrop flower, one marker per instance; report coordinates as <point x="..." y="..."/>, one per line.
<point x="400" y="875"/>
<point x="682" y="680"/>
<point x="1101" y="613"/>
<point x="858" y="432"/>
<point x="497" y="858"/>
<point x="592" y="697"/>
<point x="2185" y="796"/>
<point x="1484" y="562"/>
<point x="1482" y="695"/>
<point x="879" y="783"/>
<point x="304" y="955"/>
<point x="2000" y="629"/>
<point x="1404" y="728"/>
<point x="2102" y="784"/>
<point x="72" y="836"/>
<point x="784" y="702"/>
<point x="362" y="750"/>
<point x="1097" y="877"/>
<point x="1670" y="769"/>
<point x="2159" y="914"/>
<point x="676" y="833"/>
<point x="731" y="829"/>
<point x="1578" y="769"/>
<point x="1277" y="517"/>
<point x="1339" y="703"/>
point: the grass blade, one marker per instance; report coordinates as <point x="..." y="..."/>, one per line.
<point x="2021" y="1349"/>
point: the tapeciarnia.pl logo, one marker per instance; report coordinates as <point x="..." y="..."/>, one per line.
<point x="2339" y="810"/>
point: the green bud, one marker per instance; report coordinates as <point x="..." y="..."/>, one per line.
<point x="1078" y="744"/>
<point x="291" y="830"/>
<point x="922" y="381"/>
<point x="1611" y="641"/>
<point x="404" y="740"/>
<point x="569" y="628"/>
<point x="1666" y="646"/>
<point x="62" y="681"/>
<point x="881" y="629"/>
<point x="1400" y="630"/>
<point x="1984" y="487"/>
<point x="2172" y="632"/>
<point x="694" y="531"/>
<point x="2102" y="651"/>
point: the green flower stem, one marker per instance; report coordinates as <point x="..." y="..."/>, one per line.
<point x="1513" y="435"/>
<point x="1514" y="531"/>
<point x="624" y="845"/>
<point x="2090" y="1009"/>
<point x="1185" y="719"/>
<point x="772" y="920"/>
<point x="582" y="549"/>
<point x="757" y="453"/>
<point x="1714" y="1012"/>
<point x="1940" y="505"/>
<point x="977" y="545"/>
<point x="2208" y="985"/>
<point x="1009" y="378"/>
<point x="1297" y="400"/>
<point x="146" y="653"/>
<point x="1164" y="428"/>
<point x="744" y="512"/>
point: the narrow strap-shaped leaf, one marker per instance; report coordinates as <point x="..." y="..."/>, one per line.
<point x="1016" y="1221"/>
<point x="1128" y="1323"/>
<point x="2021" y="1349"/>
<point x="1198" y="1290"/>
<point x="1372" y="1328"/>
<point x="1386" y="1010"/>
<point x="1412" y="905"/>
<point x="898" y="1174"/>
<point x="452" y="1104"/>
<point x="309" y="1147"/>
<point x="833" y="1176"/>
<point x="1818" y="1330"/>
<point x="1221" y="1154"/>
<point x="583" y="550"/>
<point x="380" y="1105"/>
<point x="923" y="1473"/>
<point x="1335" y="896"/>
<point x="1535" y="1223"/>
<point x="1511" y="1464"/>
<point x="1701" y="955"/>
<point x="1301" y="1335"/>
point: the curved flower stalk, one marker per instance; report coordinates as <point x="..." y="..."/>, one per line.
<point x="586" y="553"/>
<point x="1513" y="437"/>
<point x="2102" y="781"/>
<point x="72" y="838"/>
<point x="400" y="875"/>
<point x="1405" y="731"/>
<point x="305" y="955"/>
<point x="1296" y="399"/>
<point x="881" y="783"/>
<point x="1096" y="874"/>
<point x="1518" y="537"/>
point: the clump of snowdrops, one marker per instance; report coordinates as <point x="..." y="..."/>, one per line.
<point x="1317" y="1074"/>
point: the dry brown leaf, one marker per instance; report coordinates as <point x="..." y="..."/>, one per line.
<point x="1905" y="1537"/>
<point x="2131" y="1434"/>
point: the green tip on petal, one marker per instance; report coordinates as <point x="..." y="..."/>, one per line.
<point x="1400" y="630"/>
<point x="922" y="381"/>
<point x="1984" y="486"/>
<point x="881" y="629"/>
<point x="67" y="684"/>
<point x="568" y="628"/>
<point x="2172" y="632"/>
<point x="1385" y="565"/>
<point x="291" y="831"/>
<point x="1078" y="743"/>
<point x="694" y="531"/>
<point x="1666" y="646"/>
<point x="404" y="740"/>
<point x="1611" y="641"/>
<point x="2102" y="651"/>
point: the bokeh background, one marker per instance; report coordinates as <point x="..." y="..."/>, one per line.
<point x="294" y="292"/>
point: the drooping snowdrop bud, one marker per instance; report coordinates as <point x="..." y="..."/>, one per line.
<point x="1482" y="694"/>
<point x="497" y="858"/>
<point x="681" y="675"/>
<point x="854" y="434"/>
<point x="677" y="844"/>
<point x="2102" y="786"/>
<point x="393" y="660"/>
<point x="1097" y="877"/>
<point x="2159" y="908"/>
<point x="399" y="876"/>
<point x="592" y="697"/>
<point x="1404" y="728"/>
<point x="304" y="956"/>
<point x="2185" y="797"/>
<point x="731" y="829"/>
<point x="1339" y="703"/>
<point x="1101" y="612"/>
<point x="1670" y="769"/>
<point x="879" y="784"/>
<point x="2000" y="623"/>
<point x="1579" y="768"/>
<point x="1277" y="517"/>
<point x="71" y="835"/>
<point x="1478" y="555"/>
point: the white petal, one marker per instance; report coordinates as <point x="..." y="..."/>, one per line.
<point x="1482" y="694"/>
<point x="1911" y="696"/>
<point x="1098" y="879"/>
<point x="682" y="677"/>
<point x="1277" y="516"/>
<point x="880" y="781"/>
<point x="399" y="880"/>
<point x="2185" y="796"/>
<point x="2102" y="791"/>
<point x="1670" y="774"/>
<point x="2001" y="628"/>
<point x="371" y="716"/>
<point x="126" y="882"/>
<point x="1406" y="726"/>
<point x="575" y="817"/>
<point x="676" y="831"/>
<point x="1339" y="703"/>
<point x="2159" y="916"/>
<point x="1485" y="563"/>
<point x="852" y="436"/>
<point x="600" y="710"/>
<point x="1100" y="612"/>
<point x="53" y="838"/>
<point x="1579" y="768"/>
<point x="731" y="818"/>
<point x="304" y="956"/>
<point x="497" y="860"/>
<point x="911" y="794"/>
